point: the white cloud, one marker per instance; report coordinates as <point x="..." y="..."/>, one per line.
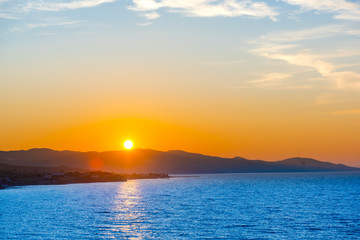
<point x="307" y="34"/>
<point x="7" y="16"/>
<point x="354" y="32"/>
<point x="51" y="24"/>
<point x="340" y="80"/>
<point x="208" y="8"/>
<point x="323" y="5"/>
<point x="17" y="9"/>
<point x="47" y="23"/>
<point x="304" y="59"/>
<point x="278" y="81"/>
<point x="346" y="80"/>
<point x="144" y="24"/>
<point x="151" y="15"/>
<point x="57" y="6"/>
<point x="344" y="9"/>
<point x="275" y="46"/>
<point x="7" y="12"/>
<point x="349" y="15"/>
<point x="270" y="79"/>
<point x="223" y="63"/>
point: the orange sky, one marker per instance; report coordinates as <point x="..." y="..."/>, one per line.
<point x="256" y="136"/>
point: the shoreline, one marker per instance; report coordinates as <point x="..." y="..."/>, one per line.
<point x="13" y="179"/>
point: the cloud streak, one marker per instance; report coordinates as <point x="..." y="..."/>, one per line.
<point x="344" y="9"/>
<point x="288" y="47"/>
<point x="53" y="24"/>
<point x="307" y="34"/>
<point x="151" y="15"/>
<point x="208" y="8"/>
<point x="7" y="16"/>
<point x="345" y="112"/>
<point x="144" y="24"/>
<point x="18" y="9"/>
<point x="58" y="6"/>
<point x="271" y="80"/>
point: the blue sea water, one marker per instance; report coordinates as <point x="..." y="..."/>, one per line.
<point x="222" y="206"/>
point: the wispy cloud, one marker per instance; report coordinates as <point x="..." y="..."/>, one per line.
<point x="292" y="51"/>
<point x="58" y="5"/>
<point x="343" y="9"/>
<point x="277" y="81"/>
<point x="345" y="112"/>
<point x="270" y="80"/>
<point x="52" y="24"/>
<point x="7" y="16"/>
<point x="354" y="32"/>
<point x="208" y="8"/>
<point x="302" y="58"/>
<point x="223" y="63"/>
<point x="144" y="24"/>
<point x="306" y="34"/>
<point x="349" y="15"/>
<point x="18" y="9"/>
<point x="339" y="80"/>
<point x="7" y="10"/>
<point x="151" y="15"/>
<point x="46" y="24"/>
<point x="346" y="80"/>
<point x="325" y="5"/>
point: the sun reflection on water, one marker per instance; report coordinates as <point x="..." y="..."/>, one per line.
<point x="128" y="212"/>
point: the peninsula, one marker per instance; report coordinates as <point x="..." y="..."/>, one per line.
<point x="11" y="175"/>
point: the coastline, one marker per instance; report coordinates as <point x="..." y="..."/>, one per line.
<point x="15" y="179"/>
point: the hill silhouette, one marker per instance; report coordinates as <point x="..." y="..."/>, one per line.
<point x="171" y="162"/>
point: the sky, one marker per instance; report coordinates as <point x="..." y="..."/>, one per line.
<point x="257" y="79"/>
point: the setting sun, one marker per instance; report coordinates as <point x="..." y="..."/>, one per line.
<point x="128" y="144"/>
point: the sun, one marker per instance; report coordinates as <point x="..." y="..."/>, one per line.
<point x="128" y="144"/>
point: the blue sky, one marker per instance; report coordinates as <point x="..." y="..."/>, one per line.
<point x="294" y="32"/>
<point x="292" y="64"/>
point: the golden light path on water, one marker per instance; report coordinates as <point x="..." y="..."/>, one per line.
<point x="128" y="216"/>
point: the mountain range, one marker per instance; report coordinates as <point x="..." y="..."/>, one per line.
<point x="171" y="162"/>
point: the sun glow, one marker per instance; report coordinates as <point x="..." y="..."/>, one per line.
<point x="128" y="144"/>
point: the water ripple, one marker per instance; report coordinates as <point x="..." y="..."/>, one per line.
<point x="224" y="206"/>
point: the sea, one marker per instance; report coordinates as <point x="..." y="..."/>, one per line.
<point x="209" y="206"/>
